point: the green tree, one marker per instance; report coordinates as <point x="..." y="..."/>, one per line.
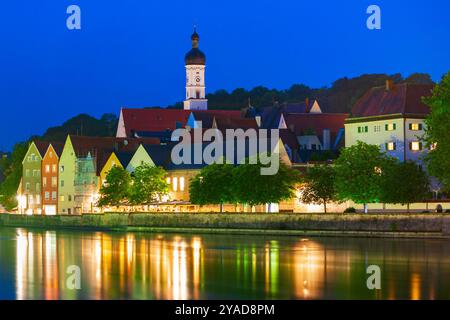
<point x="149" y="185"/>
<point x="252" y="188"/>
<point x="213" y="185"/>
<point x="319" y="185"/>
<point x="437" y="132"/>
<point x="12" y="170"/>
<point x="358" y="174"/>
<point x="116" y="189"/>
<point x="404" y="183"/>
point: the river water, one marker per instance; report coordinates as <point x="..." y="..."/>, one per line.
<point x="39" y="264"/>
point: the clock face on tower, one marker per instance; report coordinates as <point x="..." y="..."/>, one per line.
<point x="197" y="79"/>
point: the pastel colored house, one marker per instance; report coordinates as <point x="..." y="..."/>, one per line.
<point x="30" y="192"/>
<point x="50" y="173"/>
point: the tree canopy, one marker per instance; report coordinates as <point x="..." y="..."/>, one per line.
<point x="437" y="132"/>
<point x="318" y="185"/>
<point x="149" y="185"/>
<point x="358" y="173"/>
<point x="213" y="185"/>
<point x="116" y="189"/>
<point x="403" y="183"/>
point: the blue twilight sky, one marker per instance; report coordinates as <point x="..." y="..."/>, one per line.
<point x="130" y="53"/>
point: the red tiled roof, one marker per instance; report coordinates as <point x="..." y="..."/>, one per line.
<point x="207" y="116"/>
<point x="153" y="119"/>
<point x="401" y="99"/>
<point x="299" y="123"/>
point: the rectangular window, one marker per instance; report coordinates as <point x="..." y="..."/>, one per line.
<point x="62" y="198"/>
<point x="391" y="146"/>
<point x="168" y="180"/>
<point x="62" y="183"/>
<point x="359" y="129"/>
<point x="44" y="182"/>
<point x="415" y="146"/>
<point x="54" y="195"/>
<point x="377" y="128"/>
<point x="54" y="168"/>
<point x="30" y="199"/>
<point x="27" y="186"/>
<point x="175" y="183"/>
<point x="38" y="199"/>
<point x="27" y="172"/>
<point x="47" y="168"/>
<point x="38" y="187"/>
<point x="70" y="198"/>
<point x="415" y="126"/>
<point x="54" y="182"/>
<point x="62" y="169"/>
<point x="47" y="195"/>
<point x="390" y="127"/>
<point x="181" y="183"/>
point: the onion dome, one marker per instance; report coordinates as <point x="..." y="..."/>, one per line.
<point x="195" y="56"/>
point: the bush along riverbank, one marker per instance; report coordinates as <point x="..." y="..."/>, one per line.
<point x="376" y="225"/>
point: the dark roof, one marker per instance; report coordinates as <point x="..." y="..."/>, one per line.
<point x="160" y="154"/>
<point x="195" y="57"/>
<point x="400" y="99"/>
<point x="124" y="157"/>
<point x="42" y="146"/>
<point x="100" y="148"/>
<point x="301" y="123"/>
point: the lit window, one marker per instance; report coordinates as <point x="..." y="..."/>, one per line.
<point x="433" y="146"/>
<point x="54" y="182"/>
<point x="168" y="180"/>
<point x="54" y="168"/>
<point x="30" y="199"/>
<point x="390" y="127"/>
<point x="181" y="183"/>
<point x="415" y="146"/>
<point x="38" y="199"/>
<point x="51" y="154"/>
<point x="44" y="181"/>
<point x="175" y="183"/>
<point x="390" y="146"/>
<point x="47" y="168"/>
<point x="62" y="198"/>
<point x="415" y="126"/>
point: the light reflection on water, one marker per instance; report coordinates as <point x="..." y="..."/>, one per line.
<point x="33" y="265"/>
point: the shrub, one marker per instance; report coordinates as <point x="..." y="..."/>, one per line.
<point x="350" y="210"/>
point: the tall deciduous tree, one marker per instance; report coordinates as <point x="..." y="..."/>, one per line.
<point x="12" y="170"/>
<point x="437" y="132"/>
<point x="213" y="185"/>
<point x="318" y="185"/>
<point x="358" y="174"/>
<point x="404" y="183"/>
<point x="116" y="189"/>
<point x="149" y="185"/>
<point x="252" y="188"/>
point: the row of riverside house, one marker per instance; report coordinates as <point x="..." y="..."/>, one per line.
<point x="66" y="178"/>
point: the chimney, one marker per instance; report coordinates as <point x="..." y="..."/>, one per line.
<point x="326" y="139"/>
<point x="389" y="84"/>
<point x="307" y="104"/>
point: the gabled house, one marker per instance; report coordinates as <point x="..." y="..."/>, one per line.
<point x="391" y="117"/>
<point x="50" y="173"/>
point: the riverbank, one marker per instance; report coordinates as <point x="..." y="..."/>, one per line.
<point x="358" y="225"/>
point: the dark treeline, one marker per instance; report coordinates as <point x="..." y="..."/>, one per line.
<point x="340" y="97"/>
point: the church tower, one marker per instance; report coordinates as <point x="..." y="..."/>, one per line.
<point x="195" y="77"/>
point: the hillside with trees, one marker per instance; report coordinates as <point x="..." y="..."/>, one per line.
<point x="338" y="98"/>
